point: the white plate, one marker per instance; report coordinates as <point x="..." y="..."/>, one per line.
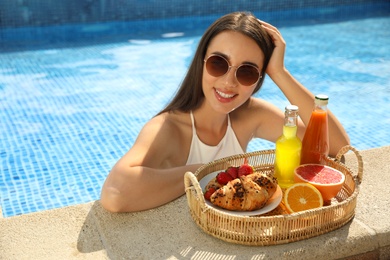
<point x="271" y="204"/>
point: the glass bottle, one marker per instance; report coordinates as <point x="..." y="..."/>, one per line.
<point x="288" y="149"/>
<point x="315" y="143"/>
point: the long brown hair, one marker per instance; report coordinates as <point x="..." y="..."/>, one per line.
<point x="190" y="94"/>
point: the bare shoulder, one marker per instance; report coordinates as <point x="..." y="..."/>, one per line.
<point x="258" y="118"/>
<point x="256" y="110"/>
<point x="169" y="124"/>
<point x="162" y="140"/>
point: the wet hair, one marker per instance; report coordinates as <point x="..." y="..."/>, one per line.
<point x="190" y="94"/>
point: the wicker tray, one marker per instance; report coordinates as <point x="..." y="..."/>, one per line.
<point x="277" y="226"/>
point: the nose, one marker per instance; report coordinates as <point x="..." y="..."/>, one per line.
<point x="230" y="77"/>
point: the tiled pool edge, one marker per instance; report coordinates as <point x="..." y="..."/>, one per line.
<point x="36" y="13"/>
<point x="72" y="232"/>
<point x="33" y="35"/>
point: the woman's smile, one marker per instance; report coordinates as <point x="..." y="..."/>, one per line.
<point x="223" y="96"/>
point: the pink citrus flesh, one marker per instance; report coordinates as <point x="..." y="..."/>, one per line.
<point x="327" y="180"/>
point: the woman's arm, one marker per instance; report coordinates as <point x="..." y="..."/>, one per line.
<point x="136" y="188"/>
<point x="148" y="175"/>
<point x="298" y="95"/>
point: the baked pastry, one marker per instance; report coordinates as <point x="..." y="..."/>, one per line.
<point x="246" y="193"/>
<point x="213" y="183"/>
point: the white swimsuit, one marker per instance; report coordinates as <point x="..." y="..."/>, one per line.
<point x="203" y="153"/>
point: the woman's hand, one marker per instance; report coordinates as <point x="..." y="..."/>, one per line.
<point x="276" y="63"/>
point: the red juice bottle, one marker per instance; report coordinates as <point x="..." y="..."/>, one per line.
<point x="315" y="143"/>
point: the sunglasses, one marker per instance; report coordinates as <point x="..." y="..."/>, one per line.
<point x="246" y="74"/>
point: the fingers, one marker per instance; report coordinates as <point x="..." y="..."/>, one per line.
<point x="272" y="31"/>
<point x="270" y="28"/>
<point x="268" y="25"/>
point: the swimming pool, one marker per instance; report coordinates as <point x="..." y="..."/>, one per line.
<point x="69" y="113"/>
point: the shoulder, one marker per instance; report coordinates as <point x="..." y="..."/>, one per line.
<point x="258" y="118"/>
<point x="168" y="123"/>
<point x="255" y="109"/>
<point x="165" y="135"/>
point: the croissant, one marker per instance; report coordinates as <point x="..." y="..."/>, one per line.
<point x="213" y="183"/>
<point x="246" y="193"/>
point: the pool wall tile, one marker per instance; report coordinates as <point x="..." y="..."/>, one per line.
<point x="43" y="13"/>
<point x="33" y="22"/>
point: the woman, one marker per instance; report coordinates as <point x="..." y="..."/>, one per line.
<point x="213" y="114"/>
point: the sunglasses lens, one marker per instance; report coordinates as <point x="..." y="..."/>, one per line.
<point x="217" y="66"/>
<point x="247" y="75"/>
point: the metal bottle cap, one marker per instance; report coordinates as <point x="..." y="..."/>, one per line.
<point x="321" y="99"/>
<point x="292" y="108"/>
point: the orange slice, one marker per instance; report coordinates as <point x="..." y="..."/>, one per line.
<point x="302" y="196"/>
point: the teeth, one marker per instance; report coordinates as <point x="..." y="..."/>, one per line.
<point x="224" y="95"/>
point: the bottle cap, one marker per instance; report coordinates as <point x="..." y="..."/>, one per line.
<point x="293" y="108"/>
<point x="321" y="99"/>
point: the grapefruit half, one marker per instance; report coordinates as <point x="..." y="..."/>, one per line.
<point x="327" y="180"/>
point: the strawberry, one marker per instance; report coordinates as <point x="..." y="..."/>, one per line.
<point x="208" y="193"/>
<point x="245" y="169"/>
<point x="223" y="178"/>
<point x="233" y="171"/>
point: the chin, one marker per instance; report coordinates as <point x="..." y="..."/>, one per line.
<point x="224" y="109"/>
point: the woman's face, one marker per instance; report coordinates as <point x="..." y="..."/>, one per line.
<point x="225" y="93"/>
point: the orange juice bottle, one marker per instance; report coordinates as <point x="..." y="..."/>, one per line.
<point x="315" y="143"/>
<point x="288" y="149"/>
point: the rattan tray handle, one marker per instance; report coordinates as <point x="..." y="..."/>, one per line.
<point x="346" y="149"/>
<point x="191" y="182"/>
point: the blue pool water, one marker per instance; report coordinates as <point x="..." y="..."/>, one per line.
<point x="68" y="114"/>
